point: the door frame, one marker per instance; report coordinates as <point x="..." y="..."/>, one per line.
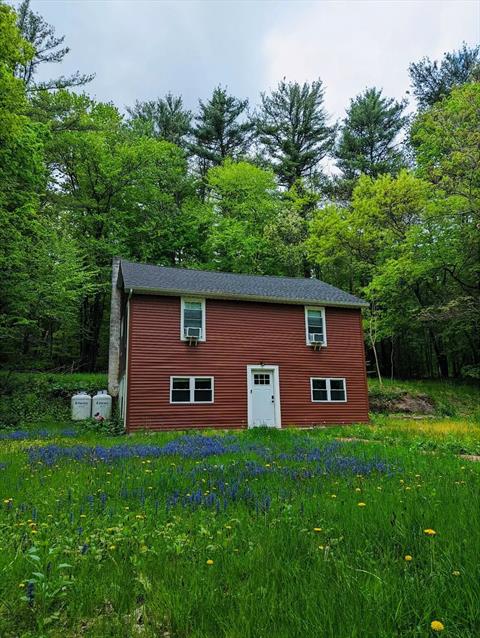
<point x="276" y="391"/>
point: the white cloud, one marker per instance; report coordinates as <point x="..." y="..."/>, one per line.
<point x="355" y="44"/>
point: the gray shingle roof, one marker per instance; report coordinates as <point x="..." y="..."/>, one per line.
<point x="144" y="278"/>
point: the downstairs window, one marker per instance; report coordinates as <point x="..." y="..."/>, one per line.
<point x="191" y="389"/>
<point x="328" y="390"/>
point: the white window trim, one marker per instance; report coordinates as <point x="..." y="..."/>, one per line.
<point x="322" y="310"/>
<point x="251" y="369"/>
<point x="204" y="316"/>
<point x="191" y="380"/>
<point x="328" y="380"/>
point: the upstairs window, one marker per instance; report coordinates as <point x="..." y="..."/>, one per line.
<point x="315" y="327"/>
<point x="192" y="323"/>
<point x="328" y="390"/>
<point x="191" y="389"/>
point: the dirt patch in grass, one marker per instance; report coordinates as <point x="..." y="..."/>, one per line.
<point x="401" y="402"/>
<point x="470" y="457"/>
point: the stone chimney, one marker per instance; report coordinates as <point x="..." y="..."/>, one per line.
<point x="114" y="343"/>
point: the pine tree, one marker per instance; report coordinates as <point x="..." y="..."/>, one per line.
<point x="164" y="118"/>
<point x="220" y="131"/>
<point x="292" y="130"/>
<point x="48" y="48"/>
<point x="368" y="141"/>
<point x="433" y="80"/>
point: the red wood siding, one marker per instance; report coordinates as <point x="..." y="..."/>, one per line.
<point x="240" y="333"/>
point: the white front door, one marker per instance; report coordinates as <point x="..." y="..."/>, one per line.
<point x="262" y="397"/>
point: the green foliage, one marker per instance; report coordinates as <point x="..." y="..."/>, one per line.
<point x="107" y="427"/>
<point x="47" y="49"/>
<point x="244" y="200"/>
<point x="30" y="398"/>
<point x="164" y="118"/>
<point x="119" y="193"/>
<point x="220" y="130"/>
<point x="431" y="81"/>
<point x="368" y="143"/>
<point x="292" y="128"/>
<point x="400" y="246"/>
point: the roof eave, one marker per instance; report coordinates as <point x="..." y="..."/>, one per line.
<point x="217" y="295"/>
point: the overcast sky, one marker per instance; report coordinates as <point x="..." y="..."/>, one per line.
<point x="141" y="49"/>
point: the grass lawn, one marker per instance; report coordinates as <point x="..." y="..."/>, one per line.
<point x="254" y="534"/>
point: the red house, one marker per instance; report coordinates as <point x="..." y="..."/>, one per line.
<point x="198" y="349"/>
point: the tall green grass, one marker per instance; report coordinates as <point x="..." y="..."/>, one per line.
<point x="312" y="563"/>
<point x="450" y="397"/>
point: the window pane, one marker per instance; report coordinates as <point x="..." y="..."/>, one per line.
<point x="320" y="395"/>
<point x="203" y="390"/>
<point x="203" y="384"/>
<point x="315" y="323"/>
<point x="192" y="318"/>
<point x="180" y="396"/>
<point x="319" y="387"/>
<point x="180" y="390"/>
<point x="203" y="396"/>
<point x="337" y="390"/>
<point x="180" y="383"/>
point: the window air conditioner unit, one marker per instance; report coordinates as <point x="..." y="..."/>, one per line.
<point x="193" y="333"/>
<point x="316" y="340"/>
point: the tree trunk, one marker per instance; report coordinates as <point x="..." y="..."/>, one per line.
<point x="442" y="360"/>
<point x="392" y="358"/>
<point x="92" y="317"/>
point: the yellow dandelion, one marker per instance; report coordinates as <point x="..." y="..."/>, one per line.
<point x="317" y="529"/>
<point x="408" y="558"/>
<point x="361" y="504"/>
<point x="112" y="547"/>
<point x="358" y="489"/>
<point x="436" y="625"/>
<point x="22" y="585"/>
<point x="209" y="561"/>
<point x="429" y="531"/>
<point x="334" y="496"/>
<point x="456" y="573"/>
<point x="321" y="547"/>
